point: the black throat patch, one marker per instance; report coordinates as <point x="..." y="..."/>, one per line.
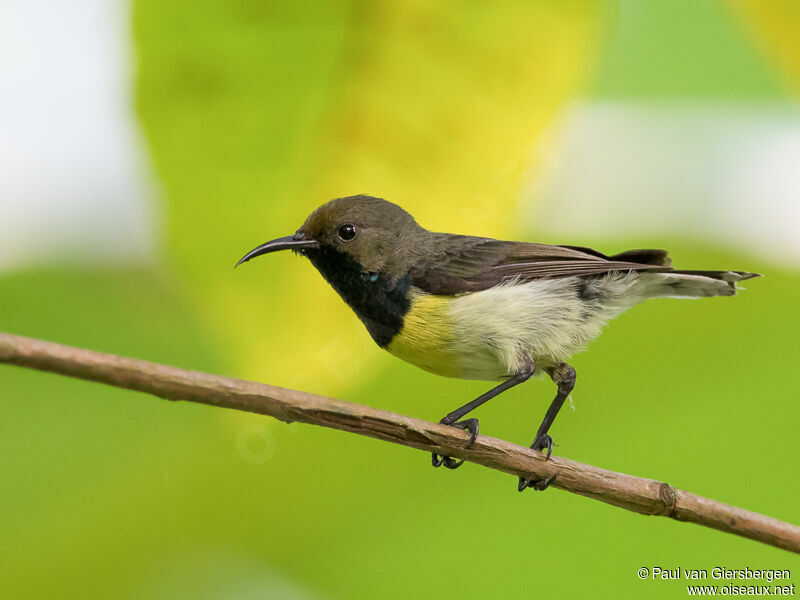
<point x="380" y="303"/>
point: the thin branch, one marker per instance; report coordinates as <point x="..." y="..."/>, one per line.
<point x="644" y="496"/>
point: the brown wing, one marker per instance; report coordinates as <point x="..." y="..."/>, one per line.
<point x="457" y="264"/>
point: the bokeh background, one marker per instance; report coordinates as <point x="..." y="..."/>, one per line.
<point x="146" y="145"/>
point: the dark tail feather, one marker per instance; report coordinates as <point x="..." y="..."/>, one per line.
<point x="681" y="283"/>
<point x="644" y="257"/>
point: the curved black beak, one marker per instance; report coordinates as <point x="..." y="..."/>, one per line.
<point x="290" y="242"/>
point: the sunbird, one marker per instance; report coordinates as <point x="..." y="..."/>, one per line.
<point x="480" y="308"/>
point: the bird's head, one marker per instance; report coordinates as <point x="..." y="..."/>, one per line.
<point x="370" y="231"/>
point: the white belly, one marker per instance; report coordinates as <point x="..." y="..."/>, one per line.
<point x="496" y="330"/>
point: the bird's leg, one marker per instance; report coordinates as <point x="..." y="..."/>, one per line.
<point x="471" y="425"/>
<point x="564" y="377"/>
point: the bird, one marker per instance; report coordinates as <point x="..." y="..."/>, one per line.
<point x="480" y="308"/>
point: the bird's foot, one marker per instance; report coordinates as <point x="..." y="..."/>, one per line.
<point x="536" y="484"/>
<point x="470" y="425"/>
<point x="448" y="461"/>
<point x="540" y="443"/>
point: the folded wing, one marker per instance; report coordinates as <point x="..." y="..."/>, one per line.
<point x="461" y="264"/>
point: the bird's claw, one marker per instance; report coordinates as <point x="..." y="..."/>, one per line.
<point x="470" y="425"/>
<point x="536" y="484"/>
<point x="540" y="443"/>
<point x="448" y="461"/>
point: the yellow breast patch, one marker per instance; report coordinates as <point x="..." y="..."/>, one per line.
<point x="426" y="339"/>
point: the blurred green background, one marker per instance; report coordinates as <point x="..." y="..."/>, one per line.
<point x="253" y="113"/>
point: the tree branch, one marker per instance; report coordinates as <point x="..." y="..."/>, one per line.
<point x="644" y="496"/>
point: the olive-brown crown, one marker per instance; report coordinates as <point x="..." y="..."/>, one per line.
<point x="371" y="230"/>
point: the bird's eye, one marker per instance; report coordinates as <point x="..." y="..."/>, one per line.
<point x="347" y="232"/>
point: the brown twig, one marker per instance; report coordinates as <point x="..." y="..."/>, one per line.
<point x="644" y="496"/>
